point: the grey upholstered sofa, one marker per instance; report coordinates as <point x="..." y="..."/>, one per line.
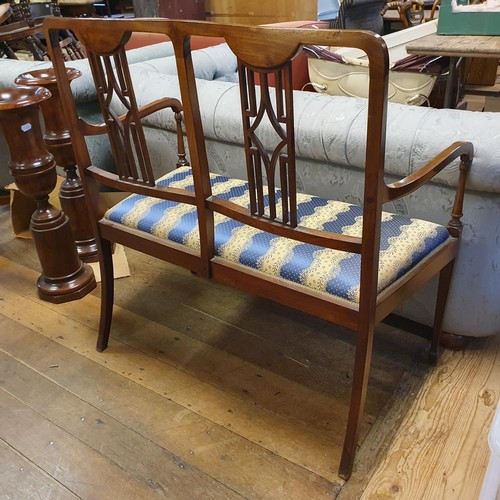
<point x="212" y="63"/>
<point x="329" y="136"/>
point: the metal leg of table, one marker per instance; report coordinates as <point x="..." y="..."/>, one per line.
<point x="448" y="93"/>
<point x="452" y="80"/>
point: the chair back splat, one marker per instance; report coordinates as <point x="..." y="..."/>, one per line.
<point x="351" y="265"/>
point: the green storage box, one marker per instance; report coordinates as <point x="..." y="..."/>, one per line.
<point x="462" y="21"/>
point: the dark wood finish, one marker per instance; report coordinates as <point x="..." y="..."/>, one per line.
<point x="23" y="29"/>
<point x="26" y="29"/>
<point x="58" y="141"/>
<point x="264" y="54"/>
<point x="4" y="197"/>
<point x="453" y="341"/>
<point x="5" y="14"/>
<point x="174" y="9"/>
<point x="64" y="277"/>
<point x="77" y="10"/>
<point x="72" y="50"/>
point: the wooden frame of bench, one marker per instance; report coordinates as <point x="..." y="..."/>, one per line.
<point x="261" y="51"/>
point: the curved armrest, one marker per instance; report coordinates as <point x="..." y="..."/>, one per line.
<point x="148" y="109"/>
<point x="412" y="182"/>
<point x="417" y="179"/>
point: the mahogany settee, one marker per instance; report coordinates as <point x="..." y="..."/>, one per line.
<point x="349" y="264"/>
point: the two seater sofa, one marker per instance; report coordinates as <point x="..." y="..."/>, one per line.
<point x="330" y="162"/>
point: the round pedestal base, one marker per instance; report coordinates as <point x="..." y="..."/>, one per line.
<point x="453" y="342"/>
<point x="69" y="288"/>
<point x="87" y="251"/>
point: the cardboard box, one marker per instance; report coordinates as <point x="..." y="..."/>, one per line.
<point x="120" y="264"/>
<point x="22" y="207"/>
<point x="469" y="19"/>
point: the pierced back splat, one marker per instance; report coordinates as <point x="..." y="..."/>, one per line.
<point x="126" y="134"/>
<point x="261" y="164"/>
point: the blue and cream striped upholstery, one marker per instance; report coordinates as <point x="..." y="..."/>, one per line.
<point x="404" y="241"/>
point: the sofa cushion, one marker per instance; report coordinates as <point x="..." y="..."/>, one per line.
<point x="209" y="64"/>
<point x="404" y="241"/>
<point x="83" y="88"/>
<point x="332" y="129"/>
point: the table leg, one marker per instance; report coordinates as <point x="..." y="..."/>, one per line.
<point x="452" y="81"/>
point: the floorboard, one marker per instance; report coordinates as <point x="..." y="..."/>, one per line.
<point x="84" y="471"/>
<point x="195" y="439"/>
<point x="21" y="478"/>
<point x="439" y="451"/>
<point x="157" y="469"/>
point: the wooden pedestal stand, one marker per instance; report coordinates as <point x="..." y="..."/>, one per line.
<point x="64" y="276"/>
<point x="58" y="141"/>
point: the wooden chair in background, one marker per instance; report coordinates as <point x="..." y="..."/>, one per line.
<point x="344" y="263"/>
<point x="5" y="13"/>
<point x="21" y="29"/>
<point x="410" y="12"/>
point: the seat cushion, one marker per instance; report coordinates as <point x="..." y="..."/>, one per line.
<point x="404" y="241"/>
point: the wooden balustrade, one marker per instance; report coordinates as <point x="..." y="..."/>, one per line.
<point x="64" y="276"/>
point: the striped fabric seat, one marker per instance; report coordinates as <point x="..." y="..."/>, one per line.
<point x="404" y="241"/>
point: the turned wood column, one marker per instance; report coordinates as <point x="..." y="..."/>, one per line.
<point x="58" y="141"/>
<point x="64" y="276"/>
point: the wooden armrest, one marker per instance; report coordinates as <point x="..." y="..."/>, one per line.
<point x="417" y="179"/>
<point x="153" y="107"/>
<point x="164" y="193"/>
<point x="412" y="182"/>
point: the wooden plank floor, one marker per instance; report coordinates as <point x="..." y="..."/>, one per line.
<point x="206" y="392"/>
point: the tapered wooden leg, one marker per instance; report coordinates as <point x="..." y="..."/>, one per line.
<point x="107" y="294"/>
<point x="442" y="296"/>
<point x="364" y="346"/>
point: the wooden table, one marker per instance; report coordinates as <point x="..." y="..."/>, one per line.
<point x="455" y="47"/>
<point x="175" y="9"/>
